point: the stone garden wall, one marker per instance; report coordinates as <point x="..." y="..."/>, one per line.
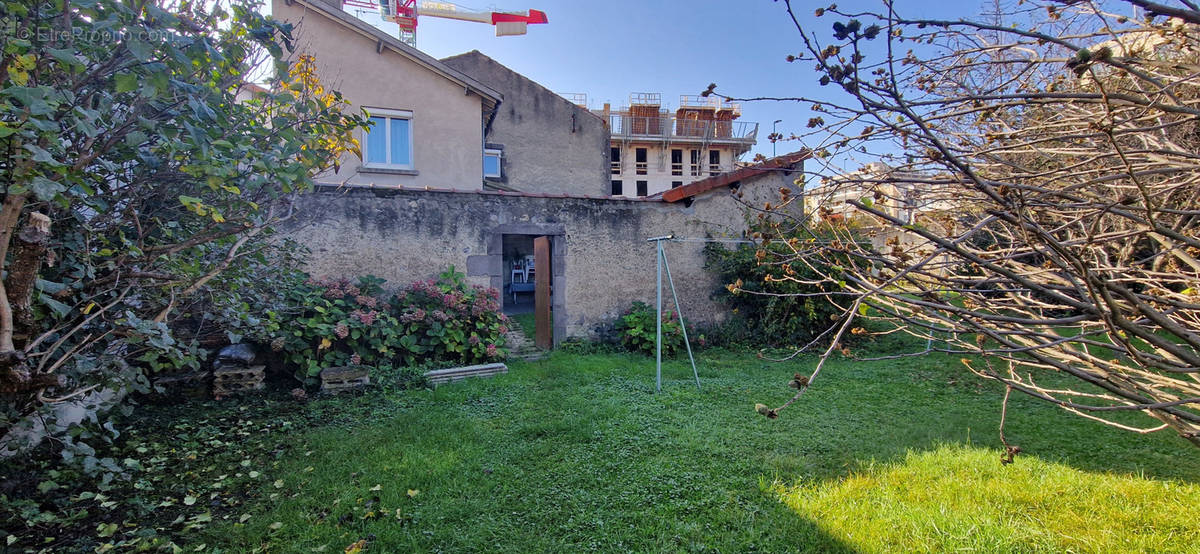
<point x="601" y="260"/>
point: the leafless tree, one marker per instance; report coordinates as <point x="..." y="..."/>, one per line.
<point x="1039" y="211"/>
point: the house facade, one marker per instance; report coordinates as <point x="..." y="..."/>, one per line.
<point x="429" y="119"/>
<point x="471" y="165"/>
<point x="537" y="141"/>
<point x="653" y="149"/>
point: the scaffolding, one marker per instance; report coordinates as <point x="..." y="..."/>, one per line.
<point x="698" y="121"/>
<point x="578" y="98"/>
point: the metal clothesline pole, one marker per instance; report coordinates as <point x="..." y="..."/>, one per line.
<point x="661" y="262"/>
<point x="679" y="309"/>
<point x="658" y="311"/>
<point x="658" y="317"/>
<point x="710" y="239"/>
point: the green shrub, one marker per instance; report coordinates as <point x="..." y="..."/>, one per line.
<point x="779" y="300"/>
<point x="252" y="301"/>
<point x="637" y="330"/>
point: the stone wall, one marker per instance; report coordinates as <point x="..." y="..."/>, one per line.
<point x="602" y="261"/>
<point x="550" y="145"/>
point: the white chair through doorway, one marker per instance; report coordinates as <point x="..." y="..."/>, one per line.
<point x="518" y="271"/>
<point x="529" y="265"/>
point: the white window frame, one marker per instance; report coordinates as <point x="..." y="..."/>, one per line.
<point x="499" y="162"/>
<point x="387" y="137"/>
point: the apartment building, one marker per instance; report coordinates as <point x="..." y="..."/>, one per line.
<point x="654" y="149"/>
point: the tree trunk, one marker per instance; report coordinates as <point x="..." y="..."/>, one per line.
<point x="9" y="215"/>
<point x="28" y="253"/>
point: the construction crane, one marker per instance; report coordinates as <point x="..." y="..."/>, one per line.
<point x="405" y="13"/>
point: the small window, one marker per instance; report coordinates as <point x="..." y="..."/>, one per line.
<point x="640" y="160"/>
<point x="388" y="142"/>
<point x="616" y="188"/>
<point x="676" y="184"/>
<point x="676" y="162"/>
<point x="714" y="162"/>
<point x="491" y="162"/>
<point x="614" y="159"/>
<point x="641" y="188"/>
<point x="695" y="162"/>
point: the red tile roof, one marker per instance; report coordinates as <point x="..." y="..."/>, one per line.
<point x="704" y="185"/>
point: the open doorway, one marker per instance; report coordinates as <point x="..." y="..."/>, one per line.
<point x="531" y="290"/>
<point x="520" y="275"/>
<point x="528" y="295"/>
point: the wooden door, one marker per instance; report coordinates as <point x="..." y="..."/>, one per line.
<point x="543" y="336"/>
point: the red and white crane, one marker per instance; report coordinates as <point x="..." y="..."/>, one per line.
<point x="405" y="13"/>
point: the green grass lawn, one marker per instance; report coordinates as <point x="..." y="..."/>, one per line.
<point x="578" y="453"/>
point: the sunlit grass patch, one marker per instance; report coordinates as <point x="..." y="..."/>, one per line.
<point x="962" y="498"/>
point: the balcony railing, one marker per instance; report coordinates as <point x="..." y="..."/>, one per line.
<point x="578" y="98"/>
<point x="671" y="128"/>
<point x="709" y="103"/>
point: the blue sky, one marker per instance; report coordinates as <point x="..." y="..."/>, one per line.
<point x="611" y="48"/>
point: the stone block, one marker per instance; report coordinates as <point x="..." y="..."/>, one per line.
<point x="338" y="379"/>
<point x="233" y="380"/>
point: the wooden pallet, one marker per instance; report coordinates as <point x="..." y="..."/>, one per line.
<point x="232" y="380"/>
<point x="338" y="379"/>
<point x="439" y="376"/>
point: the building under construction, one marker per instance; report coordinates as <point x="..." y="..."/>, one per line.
<point x="654" y="149"/>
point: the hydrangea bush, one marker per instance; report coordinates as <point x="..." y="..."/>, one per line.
<point x="448" y="320"/>
<point x="429" y="322"/>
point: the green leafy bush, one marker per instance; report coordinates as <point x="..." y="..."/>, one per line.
<point x="637" y="330"/>
<point x="777" y="299"/>
<point x="136" y="175"/>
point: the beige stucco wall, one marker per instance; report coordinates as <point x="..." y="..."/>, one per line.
<point x="446" y="123"/>
<point x="550" y="145"/>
